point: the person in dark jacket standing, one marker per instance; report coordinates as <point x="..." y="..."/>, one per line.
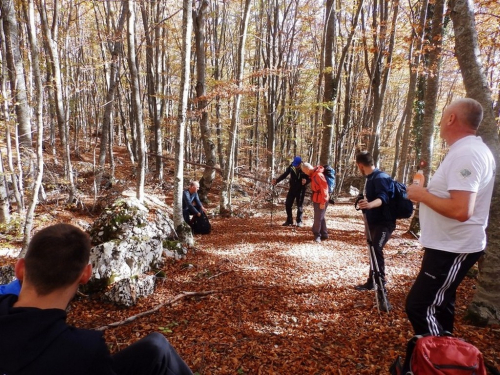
<point x="379" y="189"/>
<point x="35" y="338"/>
<point x="296" y="192"/>
<point x="191" y="204"/>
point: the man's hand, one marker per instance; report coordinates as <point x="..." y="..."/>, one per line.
<point x="363" y="204"/>
<point x="322" y="206"/>
<point x="273" y="181"/>
<point x="304" y="181"/>
<point x="198" y="214"/>
<point x="415" y="192"/>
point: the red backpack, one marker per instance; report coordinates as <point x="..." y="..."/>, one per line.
<point x="446" y="355"/>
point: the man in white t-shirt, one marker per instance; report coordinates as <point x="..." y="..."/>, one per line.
<point x="454" y="210"/>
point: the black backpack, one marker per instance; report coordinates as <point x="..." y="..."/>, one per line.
<point x="401" y="207"/>
<point x="200" y="224"/>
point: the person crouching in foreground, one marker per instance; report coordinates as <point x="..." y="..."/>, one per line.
<point x="320" y="196"/>
<point x="35" y="338"/>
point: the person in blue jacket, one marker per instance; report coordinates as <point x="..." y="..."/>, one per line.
<point x="379" y="190"/>
<point x="14" y="287"/>
<point x="191" y="204"/>
<point x="34" y="335"/>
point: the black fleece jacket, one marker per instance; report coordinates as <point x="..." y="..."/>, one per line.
<point x="296" y="176"/>
<point x="35" y="341"/>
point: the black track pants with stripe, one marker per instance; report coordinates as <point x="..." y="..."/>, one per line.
<point x="430" y="304"/>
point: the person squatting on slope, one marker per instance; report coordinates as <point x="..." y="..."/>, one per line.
<point x="320" y="197"/>
<point x="379" y="190"/>
<point x="296" y="191"/>
<point x="191" y="204"/>
<point x="35" y="338"/>
<point x="454" y="210"/>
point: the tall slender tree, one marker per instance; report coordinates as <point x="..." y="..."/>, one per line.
<point x="29" y="11"/>
<point x="16" y="72"/>
<point x="187" y="31"/>
<point x="225" y="197"/>
<point x="199" y="22"/>
<point x="136" y="118"/>
<point x="51" y="35"/>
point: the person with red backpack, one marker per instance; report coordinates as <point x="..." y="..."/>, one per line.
<point x="320" y="197"/>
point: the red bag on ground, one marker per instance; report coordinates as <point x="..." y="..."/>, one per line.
<point x="446" y="355"/>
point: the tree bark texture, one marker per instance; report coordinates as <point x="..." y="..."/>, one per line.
<point x="16" y="72"/>
<point x="187" y="31"/>
<point x="199" y="22"/>
<point x="136" y="102"/>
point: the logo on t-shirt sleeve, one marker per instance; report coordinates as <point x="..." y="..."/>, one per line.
<point x="465" y="173"/>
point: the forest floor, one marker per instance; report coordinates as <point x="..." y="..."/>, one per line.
<point x="270" y="300"/>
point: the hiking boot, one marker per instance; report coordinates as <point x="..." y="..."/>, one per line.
<point x="384" y="305"/>
<point x="324" y="238"/>
<point x="366" y="286"/>
<point x="286" y="224"/>
<point x="299" y="224"/>
<point x="317" y="240"/>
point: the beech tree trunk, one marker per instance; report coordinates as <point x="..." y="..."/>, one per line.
<point x="225" y="196"/>
<point x="28" y="224"/>
<point x="430" y="98"/>
<point x="116" y="49"/>
<point x="187" y="31"/>
<point x="51" y="37"/>
<point x="199" y="21"/>
<point x="16" y="72"/>
<point x="136" y="118"/>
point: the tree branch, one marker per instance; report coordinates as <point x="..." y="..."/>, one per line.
<point x="149" y="312"/>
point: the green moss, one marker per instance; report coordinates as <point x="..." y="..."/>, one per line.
<point x="171" y="245"/>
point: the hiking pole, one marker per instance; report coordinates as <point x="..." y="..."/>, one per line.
<point x="378" y="285"/>
<point x="272" y="203"/>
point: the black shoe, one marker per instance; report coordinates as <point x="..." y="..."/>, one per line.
<point x="286" y="224"/>
<point x="384" y="305"/>
<point x="366" y="286"/>
<point x="324" y="238"/>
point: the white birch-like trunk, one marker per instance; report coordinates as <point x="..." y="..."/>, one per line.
<point x="187" y="31"/>
<point x="225" y="196"/>
<point x="136" y="103"/>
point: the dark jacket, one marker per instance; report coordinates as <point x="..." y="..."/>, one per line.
<point x="35" y="341"/>
<point x="296" y="176"/>
<point x="188" y="207"/>
<point x="379" y="185"/>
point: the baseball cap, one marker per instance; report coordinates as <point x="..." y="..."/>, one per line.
<point x="296" y="161"/>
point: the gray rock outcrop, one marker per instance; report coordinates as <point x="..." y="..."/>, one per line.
<point x="130" y="241"/>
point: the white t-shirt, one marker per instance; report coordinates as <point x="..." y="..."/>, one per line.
<point x="468" y="166"/>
